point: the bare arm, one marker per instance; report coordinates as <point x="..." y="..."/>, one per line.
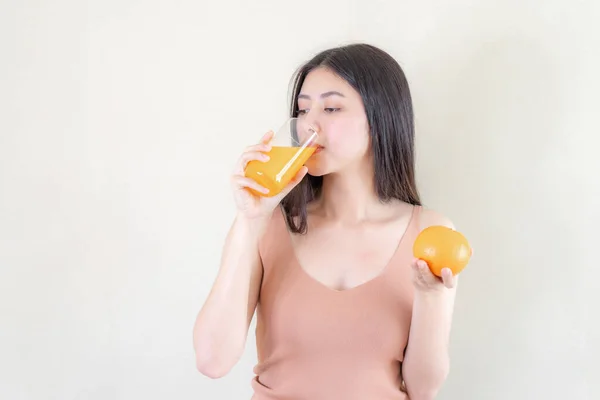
<point x="221" y="327"/>
<point x="426" y="364"/>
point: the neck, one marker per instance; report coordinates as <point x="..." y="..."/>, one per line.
<point x="350" y="197"/>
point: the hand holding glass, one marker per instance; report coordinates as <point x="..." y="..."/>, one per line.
<point x="291" y="147"/>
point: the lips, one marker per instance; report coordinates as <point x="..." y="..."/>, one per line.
<point x="318" y="149"/>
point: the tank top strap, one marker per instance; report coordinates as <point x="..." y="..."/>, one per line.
<point x="413" y="228"/>
<point x="415" y="221"/>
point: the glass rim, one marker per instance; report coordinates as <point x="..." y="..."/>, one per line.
<point x="313" y="132"/>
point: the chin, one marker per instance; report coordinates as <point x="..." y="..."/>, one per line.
<point x="316" y="172"/>
<point x="316" y="168"/>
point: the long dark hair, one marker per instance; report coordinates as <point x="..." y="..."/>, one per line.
<point x="381" y="83"/>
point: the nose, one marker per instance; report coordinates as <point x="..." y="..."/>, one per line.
<point x="313" y="125"/>
<point x="312" y="120"/>
<point x="307" y="129"/>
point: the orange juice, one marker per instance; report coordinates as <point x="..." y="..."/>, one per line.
<point x="275" y="174"/>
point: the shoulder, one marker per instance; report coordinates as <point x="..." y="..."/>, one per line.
<point x="429" y="217"/>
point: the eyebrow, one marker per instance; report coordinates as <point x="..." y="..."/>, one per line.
<point x="324" y="95"/>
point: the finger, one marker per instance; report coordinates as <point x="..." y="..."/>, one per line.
<point x="242" y="182"/>
<point x="299" y="176"/>
<point x="425" y="274"/>
<point x="252" y="156"/>
<point x="294" y="182"/>
<point x="267" y="137"/>
<point x="262" y="147"/>
<point x="415" y="265"/>
<point x="448" y="278"/>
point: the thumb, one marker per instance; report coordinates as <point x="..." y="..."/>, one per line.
<point x="293" y="183"/>
<point x="424" y="272"/>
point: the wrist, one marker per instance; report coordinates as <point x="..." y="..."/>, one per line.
<point x="431" y="295"/>
<point x="252" y="225"/>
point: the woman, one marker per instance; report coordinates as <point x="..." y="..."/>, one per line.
<point x="343" y="309"/>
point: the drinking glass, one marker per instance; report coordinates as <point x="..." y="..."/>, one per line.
<point x="293" y="144"/>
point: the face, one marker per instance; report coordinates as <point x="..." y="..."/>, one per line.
<point x="336" y="111"/>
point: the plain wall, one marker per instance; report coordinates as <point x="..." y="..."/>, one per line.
<point x="120" y="122"/>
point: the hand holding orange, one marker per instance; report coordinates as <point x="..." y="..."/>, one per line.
<point x="442" y="247"/>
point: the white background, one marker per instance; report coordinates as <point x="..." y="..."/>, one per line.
<point x="120" y="122"/>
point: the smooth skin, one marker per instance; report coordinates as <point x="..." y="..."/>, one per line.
<point x="348" y="215"/>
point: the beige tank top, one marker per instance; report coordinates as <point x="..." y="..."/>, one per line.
<point x="314" y="342"/>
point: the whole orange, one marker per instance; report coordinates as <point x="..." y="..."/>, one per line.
<point x="442" y="247"/>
